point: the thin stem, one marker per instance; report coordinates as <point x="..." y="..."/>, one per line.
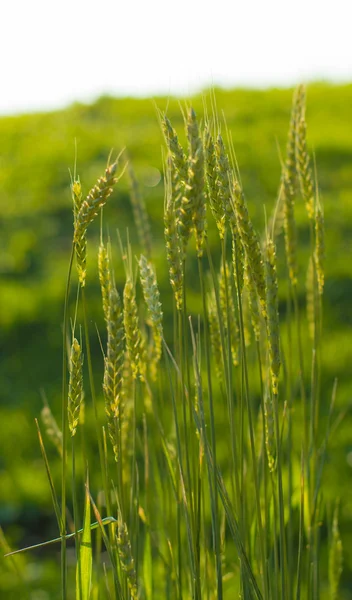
<point x="213" y="485"/>
<point x="64" y="404"/>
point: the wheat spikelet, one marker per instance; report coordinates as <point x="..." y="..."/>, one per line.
<point x="51" y="427"/>
<point x="132" y="330"/>
<point x="173" y="251"/>
<point x="152" y="299"/>
<point x="272" y="322"/>
<point x="269" y="431"/>
<point x="290" y="227"/>
<point x="223" y="172"/>
<point x="303" y="163"/>
<point x="95" y="200"/>
<point x="177" y="153"/>
<point x="126" y="558"/>
<point x="75" y="388"/>
<point x="238" y="258"/>
<point x="319" y="253"/>
<point x="196" y="181"/>
<point x="140" y="214"/>
<point x="250" y="244"/>
<point x="113" y="371"/>
<point x="247" y="317"/>
<point x="252" y="299"/>
<point x="296" y="113"/>
<point x="104" y="278"/>
<point x="177" y="164"/>
<point x="215" y="338"/>
<point x="215" y="201"/>
<point x="289" y="186"/>
<point x="81" y="244"/>
<point x="228" y="311"/>
<point x="311" y="291"/>
<point x="335" y="558"/>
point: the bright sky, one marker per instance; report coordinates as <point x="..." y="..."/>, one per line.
<point x="53" y="53"/>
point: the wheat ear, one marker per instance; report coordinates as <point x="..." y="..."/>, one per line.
<point x="173" y="250"/>
<point x="126" y="558"/>
<point x="113" y="372"/>
<point x="81" y="244"/>
<point x="152" y="299"/>
<point x="75" y="388"/>
<point x="215" y="200"/>
<point x="319" y="253"/>
<point x="104" y="278"/>
<point x="303" y="162"/>
<point x="272" y="321"/>
<point x="132" y="329"/>
<point x="196" y="181"/>
<point x="51" y="427"/>
<point x="250" y="243"/>
<point x="95" y="200"/>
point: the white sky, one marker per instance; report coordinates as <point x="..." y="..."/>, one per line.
<point x="53" y="53"/>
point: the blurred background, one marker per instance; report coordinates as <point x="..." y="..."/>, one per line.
<point x="89" y="78"/>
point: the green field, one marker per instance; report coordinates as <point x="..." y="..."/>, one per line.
<point x="36" y="159"/>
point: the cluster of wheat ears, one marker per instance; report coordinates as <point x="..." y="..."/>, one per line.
<point x="212" y="449"/>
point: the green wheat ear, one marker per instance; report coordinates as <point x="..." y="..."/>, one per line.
<point x="152" y="299"/>
<point x="196" y="175"/>
<point x="319" y="253"/>
<point x="81" y="244"/>
<point x="273" y="329"/>
<point x="132" y="330"/>
<point x="75" y="389"/>
<point x="95" y="200"/>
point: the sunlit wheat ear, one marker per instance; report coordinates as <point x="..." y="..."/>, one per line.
<point x="224" y="185"/>
<point x="290" y="161"/>
<point x="303" y="164"/>
<point x="238" y="258"/>
<point x="252" y="299"/>
<point x="215" y="201"/>
<point x="319" y="253"/>
<point x="126" y="559"/>
<point x="104" y="278"/>
<point x="289" y="187"/>
<point x="224" y="176"/>
<point x="152" y="299"/>
<point x="250" y="244"/>
<point x="215" y="338"/>
<point x="269" y="431"/>
<point x="273" y="329"/>
<point x="96" y="199"/>
<point x="185" y="212"/>
<point x="127" y="398"/>
<point x="173" y="251"/>
<point x="335" y="558"/>
<point x="132" y="330"/>
<point x="140" y="214"/>
<point x="113" y="372"/>
<point x="75" y="388"/>
<point x="177" y="153"/>
<point x="290" y="227"/>
<point x="247" y="317"/>
<point x="81" y="244"/>
<point x="178" y="164"/>
<point x="196" y="181"/>
<point x="311" y="292"/>
<point x="51" y="427"/>
<point x="228" y="311"/>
